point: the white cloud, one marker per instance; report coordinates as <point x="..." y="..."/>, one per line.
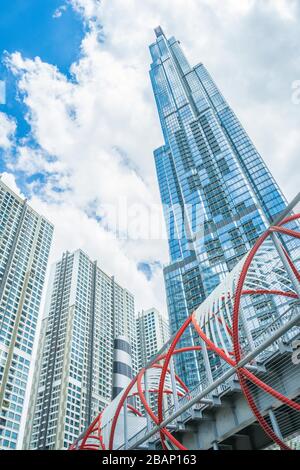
<point x="285" y="8"/>
<point x="59" y="11"/>
<point x="7" y="130"/>
<point x="82" y="141"/>
<point x="10" y="180"/>
<point x="32" y="161"/>
<point x="95" y="133"/>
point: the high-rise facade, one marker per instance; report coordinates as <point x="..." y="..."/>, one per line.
<point x="25" y="240"/>
<point x="85" y="310"/>
<point x="152" y="334"/>
<point x="217" y="193"/>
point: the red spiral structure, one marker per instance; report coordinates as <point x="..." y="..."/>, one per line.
<point x="211" y="333"/>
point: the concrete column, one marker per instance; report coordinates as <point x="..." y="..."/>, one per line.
<point x="122" y="365"/>
<point x="206" y="362"/>
<point x="147" y="396"/>
<point x="125" y="425"/>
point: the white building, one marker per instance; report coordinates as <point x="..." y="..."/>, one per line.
<point x="85" y="310"/>
<point x="25" y="239"/>
<point x="152" y="333"/>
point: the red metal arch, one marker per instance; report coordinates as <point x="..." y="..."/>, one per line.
<point x="235" y="323"/>
<point x="232" y="358"/>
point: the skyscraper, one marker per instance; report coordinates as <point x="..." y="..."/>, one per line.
<point x="85" y="310"/>
<point x="25" y="239"/>
<point x="217" y="192"/>
<point x="152" y="333"/>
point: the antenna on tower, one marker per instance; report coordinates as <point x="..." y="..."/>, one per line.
<point x="159" y="31"/>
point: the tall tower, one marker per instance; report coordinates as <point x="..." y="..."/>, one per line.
<point x="85" y="311"/>
<point x="217" y="193"/>
<point x="25" y="239"/>
<point x="152" y="333"/>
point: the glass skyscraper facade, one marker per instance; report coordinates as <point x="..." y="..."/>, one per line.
<point x="85" y="310"/>
<point x="217" y="193"/>
<point x="25" y="239"/>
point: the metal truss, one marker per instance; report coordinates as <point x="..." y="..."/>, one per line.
<point x="240" y="327"/>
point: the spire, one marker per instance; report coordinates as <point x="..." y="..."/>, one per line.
<point x="159" y="31"/>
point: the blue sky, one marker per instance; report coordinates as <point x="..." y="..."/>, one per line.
<point x="30" y="28"/>
<point x="80" y="125"/>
